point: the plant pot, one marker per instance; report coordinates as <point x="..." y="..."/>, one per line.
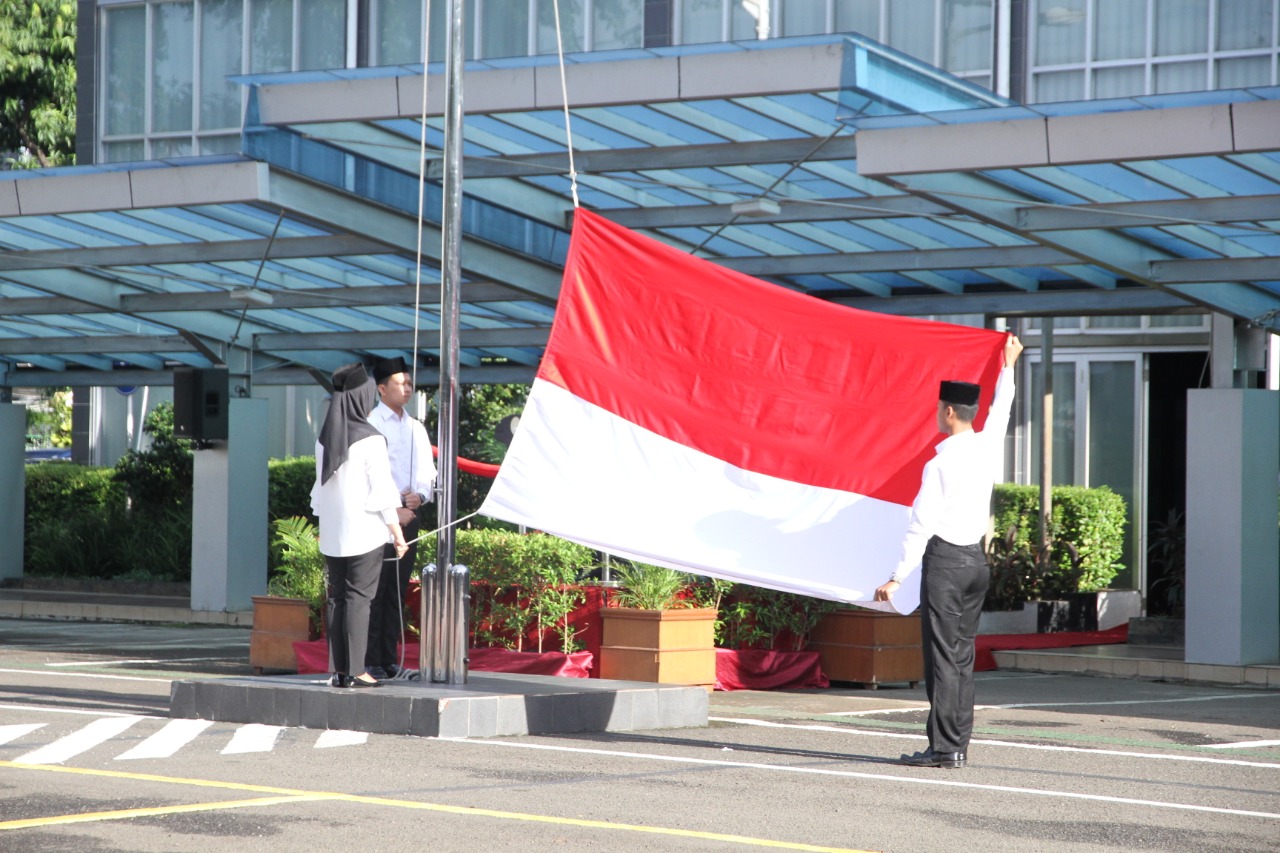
<point x="661" y="646"/>
<point x="277" y="624"/>
<point x="869" y="647"/>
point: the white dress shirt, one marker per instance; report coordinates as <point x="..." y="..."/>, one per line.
<point x="954" y="502"/>
<point x="358" y="502"/>
<point x="409" y="448"/>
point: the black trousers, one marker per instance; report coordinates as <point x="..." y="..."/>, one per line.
<point x="952" y="589"/>
<point x="385" y="625"/>
<point x="352" y="581"/>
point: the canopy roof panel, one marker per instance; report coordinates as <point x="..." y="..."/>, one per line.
<point x="830" y="165"/>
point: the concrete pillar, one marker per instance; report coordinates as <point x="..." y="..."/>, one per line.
<point x="1233" y="551"/>
<point x="13" y="442"/>
<point x="229" y="513"/>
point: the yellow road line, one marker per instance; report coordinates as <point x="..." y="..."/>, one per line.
<point x="289" y="795"/>
<point x="122" y="814"/>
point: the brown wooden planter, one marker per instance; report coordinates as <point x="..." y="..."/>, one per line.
<point x="278" y="623"/>
<point x="662" y="646"/>
<point x="869" y="647"/>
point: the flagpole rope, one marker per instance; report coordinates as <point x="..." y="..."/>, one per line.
<point x="422" y="192"/>
<point x="564" y="99"/>
<point x="453" y="523"/>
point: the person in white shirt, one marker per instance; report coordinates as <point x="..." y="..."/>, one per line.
<point x="414" y="472"/>
<point x="355" y="500"/>
<point x="948" y="521"/>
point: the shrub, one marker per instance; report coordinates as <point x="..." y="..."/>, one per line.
<point x="62" y="489"/>
<point x="159" y="477"/>
<point x="289" y="483"/>
<point x="1091" y="521"/>
<point x="79" y="544"/>
<point x="295" y="543"/>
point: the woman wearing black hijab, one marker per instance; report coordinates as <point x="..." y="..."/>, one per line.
<point x="355" y="499"/>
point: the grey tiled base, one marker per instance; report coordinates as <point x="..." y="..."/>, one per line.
<point x="490" y="704"/>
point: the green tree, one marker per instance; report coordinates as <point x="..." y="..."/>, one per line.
<point x="38" y="82"/>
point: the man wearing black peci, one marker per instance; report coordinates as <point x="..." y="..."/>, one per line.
<point x="948" y="520"/>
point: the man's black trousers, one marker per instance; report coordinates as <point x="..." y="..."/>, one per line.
<point x="952" y="588"/>
<point x="386" y="625"/>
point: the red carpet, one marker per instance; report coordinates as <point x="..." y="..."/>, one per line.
<point x="988" y="643"/>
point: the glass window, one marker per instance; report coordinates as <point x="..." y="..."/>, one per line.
<point x="701" y="21"/>
<point x="1180" y="77"/>
<point x="172" y="66"/>
<point x="322" y="34"/>
<point x="1121" y="321"/>
<point x="123" y="152"/>
<point x="125" y="37"/>
<point x="1060" y="32"/>
<point x="504" y="28"/>
<point x="1182" y="26"/>
<point x="1064" y="423"/>
<point x="573" y="26"/>
<point x="1059" y="86"/>
<point x="967" y="35"/>
<point x="911" y="27"/>
<point x="617" y="24"/>
<point x="858" y="16"/>
<point x="1119" y="82"/>
<point x="397" y="31"/>
<point x="1244" y="24"/>
<point x="1111" y="436"/>
<point x="803" y="19"/>
<point x="1178" y="321"/>
<point x="1120" y="28"/>
<point x="270" y="35"/>
<point x="220" y="144"/>
<point x="1243" y="72"/>
<point x="162" y="149"/>
<point x="744" y="22"/>
<point x="221" y="36"/>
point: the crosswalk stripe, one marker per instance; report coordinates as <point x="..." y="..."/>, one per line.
<point x="8" y="733"/>
<point x="174" y="736"/>
<point x="77" y="742"/>
<point x="340" y="737"/>
<point x="253" y="737"/>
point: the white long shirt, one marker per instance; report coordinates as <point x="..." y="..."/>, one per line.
<point x="409" y="448"/>
<point x="358" y="502"/>
<point x="954" y="502"/>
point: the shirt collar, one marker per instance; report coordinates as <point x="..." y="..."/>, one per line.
<point x="953" y="441"/>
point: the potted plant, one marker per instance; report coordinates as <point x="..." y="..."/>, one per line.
<point x="292" y="609"/>
<point x="652" y="632"/>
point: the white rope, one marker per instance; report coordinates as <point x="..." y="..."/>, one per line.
<point x="453" y="523"/>
<point x="564" y="97"/>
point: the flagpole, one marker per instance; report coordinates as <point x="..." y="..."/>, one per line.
<point x="450" y="656"/>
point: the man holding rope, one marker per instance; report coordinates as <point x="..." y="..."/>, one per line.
<point x="414" y="473"/>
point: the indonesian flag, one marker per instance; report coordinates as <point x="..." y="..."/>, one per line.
<point x="694" y="417"/>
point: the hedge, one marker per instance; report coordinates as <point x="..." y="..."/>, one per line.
<point x="1091" y="520"/>
<point x="289" y="483"/>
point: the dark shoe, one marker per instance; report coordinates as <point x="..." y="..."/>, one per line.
<point x="340" y="680"/>
<point x="929" y="758"/>
<point x="359" y="681"/>
<point x="377" y="672"/>
<point x="393" y="670"/>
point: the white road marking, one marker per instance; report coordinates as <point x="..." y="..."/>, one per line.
<point x="924" y="707"/>
<point x="8" y="733"/>
<point x="174" y="736"/>
<point x="253" y="737"/>
<point x="89" y="712"/>
<point x="883" y="777"/>
<point x="1130" y="701"/>
<point x="1204" y="759"/>
<point x="340" y="737"/>
<point x="77" y="742"/>
<point x="135" y="660"/>
<point x="1244" y="744"/>
<point x="46" y="674"/>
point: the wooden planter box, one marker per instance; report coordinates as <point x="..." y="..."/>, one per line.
<point x="278" y="623"/>
<point x="662" y="646"/>
<point x="869" y="647"/>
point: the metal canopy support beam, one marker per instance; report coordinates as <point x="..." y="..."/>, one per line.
<point x="907" y="261"/>
<point x="328" y="245"/>
<point x="495" y="374"/>
<point x="855" y="207"/>
<point x="474" y="338"/>
<point x="1044" y="303"/>
<point x="1195" y="270"/>
<point x="1134" y="214"/>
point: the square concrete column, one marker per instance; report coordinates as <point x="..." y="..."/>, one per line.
<point x="1233" y="549"/>
<point x="13" y="443"/>
<point x="229" y="513"/>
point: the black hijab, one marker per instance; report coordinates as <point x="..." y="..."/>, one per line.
<point x="346" y="422"/>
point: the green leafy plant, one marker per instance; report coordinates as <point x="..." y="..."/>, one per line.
<point x="159" y="476"/>
<point x="301" y="571"/>
<point x="1167" y="564"/>
<point x="780" y="615"/>
<point x="1087" y="528"/>
<point x="289" y="483"/>
<point x="1025" y="572"/>
<point x="643" y="586"/>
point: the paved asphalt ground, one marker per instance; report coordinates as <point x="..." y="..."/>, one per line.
<point x="90" y="762"/>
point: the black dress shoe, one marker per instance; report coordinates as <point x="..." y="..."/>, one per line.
<point x="339" y="680"/>
<point x="357" y="681"/>
<point x="929" y="758"/>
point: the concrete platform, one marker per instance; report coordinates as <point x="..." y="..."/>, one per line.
<point x="491" y="704"/>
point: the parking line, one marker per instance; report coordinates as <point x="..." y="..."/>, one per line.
<point x="289" y="795"/>
<point x="97" y="732"/>
<point x="124" y="814"/>
<point x="174" y="736"/>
